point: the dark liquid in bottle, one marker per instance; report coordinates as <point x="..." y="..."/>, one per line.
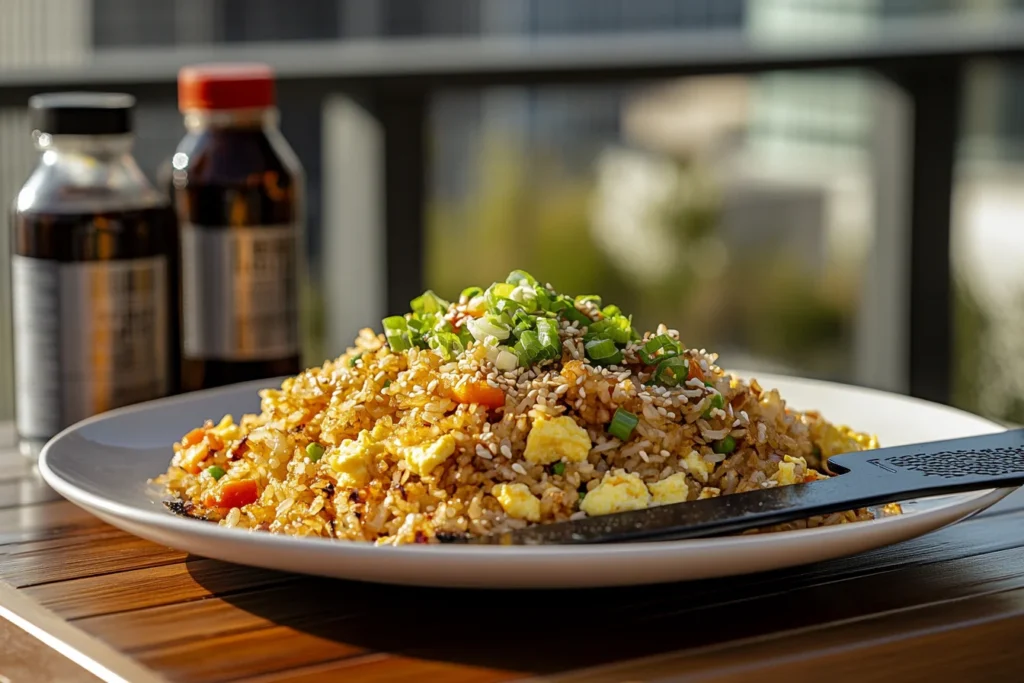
<point x="242" y="196"/>
<point x="109" y="279"/>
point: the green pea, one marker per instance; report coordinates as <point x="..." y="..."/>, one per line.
<point x="314" y="451"/>
<point x="215" y="472"/>
<point x="725" y="446"/>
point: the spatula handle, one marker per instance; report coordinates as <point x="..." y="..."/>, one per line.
<point x="865" y="479"/>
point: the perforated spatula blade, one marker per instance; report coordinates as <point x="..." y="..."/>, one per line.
<point x="864" y="479"/>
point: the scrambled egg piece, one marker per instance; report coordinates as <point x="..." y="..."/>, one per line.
<point x="227" y="430"/>
<point x="517" y="501"/>
<point x="834" y="440"/>
<point x="617" y="492"/>
<point x="673" y="489"/>
<point x="787" y="470"/>
<point x="350" y="460"/>
<point x="698" y="467"/>
<point x="709" y="492"/>
<point x="557" y="439"/>
<point x="424" y="458"/>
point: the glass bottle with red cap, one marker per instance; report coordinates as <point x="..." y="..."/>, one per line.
<point x="238" y="193"/>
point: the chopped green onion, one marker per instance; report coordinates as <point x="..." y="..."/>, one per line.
<point x="215" y="472"/>
<point x="662" y="342"/>
<point x="530" y="347"/>
<point x="584" y="298"/>
<point x="618" y="328"/>
<point x="396" y="330"/>
<point x="526" y="298"/>
<point x="543" y="298"/>
<point x="387" y="383"/>
<point x="603" y="352"/>
<point x="610" y="310"/>
<point x="508" y="306"/>
<point x="428" y="302"/>
<point x="521" y="316"/>
<point x="558" y="468"/>
<point x="447" y="345"/>
<point x="520" y="277"/>
<point x="672" y="371"/>
<point x="583" y="494"/>
<point x="499" y="290"/>
<point x="725" y="446"/>
<point x="622" y="425"/>
<point x="470" y="292"/>
<point x="482" y="328"/>
<point x="717" y="402"/>
<point x="565" y="307"/>
<point x="352" y="361"/>
<point x="506" y="360"/>
<point x="547" y="333"/>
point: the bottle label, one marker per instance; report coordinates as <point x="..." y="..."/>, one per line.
<point x="239" y="292"/>
<point x="89" y="336"/>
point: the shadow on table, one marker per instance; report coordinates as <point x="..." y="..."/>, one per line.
<point x="527" y="630"/>
<point x="545" y="631"/>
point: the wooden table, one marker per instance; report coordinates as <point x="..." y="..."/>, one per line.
<point x="948" y="606"/>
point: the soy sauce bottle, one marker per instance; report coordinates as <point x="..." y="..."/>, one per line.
<point x="238" y="194"/>
<point x="94" y="270"/>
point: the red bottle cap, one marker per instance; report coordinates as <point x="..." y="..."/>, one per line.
<point x="225" y="86"/>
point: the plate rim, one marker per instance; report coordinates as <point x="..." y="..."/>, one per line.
<point x="177" y="525"/>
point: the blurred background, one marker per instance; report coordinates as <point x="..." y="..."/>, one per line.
<point x="771" y="214"/>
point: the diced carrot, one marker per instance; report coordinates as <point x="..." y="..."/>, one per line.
<point x="193" y="437"/>
<point x="215" y="442"/>
<point x="695" y="371"/>
<point x="234" y="494"/>
<point x="481" y="393"/>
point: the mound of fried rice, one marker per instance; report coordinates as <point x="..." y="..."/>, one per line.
<point x="391" y="447"/>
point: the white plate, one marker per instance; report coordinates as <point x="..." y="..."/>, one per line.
<point x="103" y="463"/>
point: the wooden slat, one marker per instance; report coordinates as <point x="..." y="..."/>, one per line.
<point x="47" y="520"/>
<point x="207" y="618"/>
<point x="93" y="556"/>
<point x="64" y="640"/>
<point x="385" y="669"/>
<point x="140" y="588"/>
<point x="24" y="658"/>
<point x="915" y="644"/>
<point x="252" y="653"/>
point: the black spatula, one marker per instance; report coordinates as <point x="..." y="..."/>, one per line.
<point x="864" y="479"/>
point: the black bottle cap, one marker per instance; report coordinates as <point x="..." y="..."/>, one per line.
<point x="82" y="113"/>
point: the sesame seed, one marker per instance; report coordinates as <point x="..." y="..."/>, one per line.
<point x="518" y="468"/>
<point x="506" y="450"/>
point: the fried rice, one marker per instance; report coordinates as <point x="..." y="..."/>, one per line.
<point x="439" y="428"/>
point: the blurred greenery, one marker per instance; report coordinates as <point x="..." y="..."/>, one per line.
<point x="970" y="328"/>
<point x="527" y="211"/>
